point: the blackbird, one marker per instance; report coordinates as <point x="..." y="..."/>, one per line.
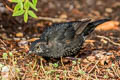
<point x="63" y="39"/>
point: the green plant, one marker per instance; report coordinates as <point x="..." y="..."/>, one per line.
<point x="81" y="72"/>
<point x="10" y="54"/>
<point x="55" y="65"/>
<point x="1" y="65"/>
<point x="106" y="76"/>
<point x="74" y="62"/>
<point x="23" y="7"/>
<point x="5" y="56"/>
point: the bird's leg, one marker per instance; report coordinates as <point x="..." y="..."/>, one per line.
<point x="62" y="61"/>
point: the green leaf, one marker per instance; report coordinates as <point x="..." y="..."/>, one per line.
<point x="26" y="16"/>
<point x="15" y="1"/>
<point x="21" y="5"/>
<point x="32" y="6"/>
<point x="34" y="2"/>
<point x="26" y="5"/>
<point x="23" y="0"/>
<point x="17" y="7"/>
<point x="20" y="0"/>
<point x="18" y="13"/>
<point x="32" y="14"/>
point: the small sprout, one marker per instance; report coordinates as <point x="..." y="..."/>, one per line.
<point x="17" y="70"/>
<point x="15" y="62"/>
<point x="52" y="71"/>
<point x="1" y="65"/>
<point x="27" y="64"/>
<point x="106" y="76"/>
<point x="113" y="65"/>
<point x="41" y="66"/>
<point x="5" y="56"/>
<point x="35" y="74"/>
<point x="55" y="65"/>
<point x="74" y="62"/>
<point x="49" y="72"/>
<point x="50" y="64"/>
<point x="79" y="61"/>
<point x="57" y="77"/>
<point x="65" y="71"/>
<point x="10" y="54"/>
<point x="41" y="59"/>
<point x="81" y="72"/>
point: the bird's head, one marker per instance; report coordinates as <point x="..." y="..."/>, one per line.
<point x="38" y="47"/>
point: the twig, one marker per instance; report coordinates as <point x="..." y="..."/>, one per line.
<point x="53" y="19"/>
<point x="114" y="43"/>
<point x="115" y="72"/>
<point x="93" y="67"/>
<point x="62" y="62"/>
<point x="10" y="9"/>
<point x="3" y="42"/>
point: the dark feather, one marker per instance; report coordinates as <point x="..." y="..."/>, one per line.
<point x="64" y="39"/>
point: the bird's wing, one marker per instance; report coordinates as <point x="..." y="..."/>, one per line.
<point x="64" y="31"/>
<point x="70" y="29"/>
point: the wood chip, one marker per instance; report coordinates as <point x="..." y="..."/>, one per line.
<point x="19" y="34"/>
<point x="110" y="25"/>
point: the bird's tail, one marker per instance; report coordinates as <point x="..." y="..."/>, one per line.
<point x="92" y="25"/>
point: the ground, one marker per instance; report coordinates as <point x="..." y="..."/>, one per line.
<point x="98" y="59"/>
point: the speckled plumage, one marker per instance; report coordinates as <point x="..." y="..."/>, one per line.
<point x="63" y="39"/>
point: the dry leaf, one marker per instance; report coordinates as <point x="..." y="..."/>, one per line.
<point x="110" y="25"/>
<point x="104" y="41"/>
<point x="85" y="61"/>
<point x="76" y="11"/>
<point x="90" y="41"/>
<point x="109" y="10"/>
<point x="40" y="25"/>
<point x="10" y="0"/>
<point x="63" y="16"/>
<point x="111" y="74"/>
<point x="19" y="34"/>
<point x="91" y="58"/>
<point x="102" y="62"/>
<point x="33" y="39"/>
